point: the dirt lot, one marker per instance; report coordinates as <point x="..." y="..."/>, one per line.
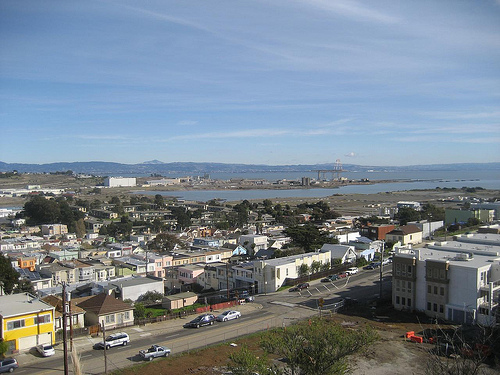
<point x="391" y="354"/>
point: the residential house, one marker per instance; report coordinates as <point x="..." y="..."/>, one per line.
<point x="253" y="242"/>
<point x="376" y="231"/>
<point x="406" y="234"/>
<point x="340" y="253"/>
<point x="35" y="278"/>
<point x="54" y="229"/>
<point x="190" y="273"/>
<point x="106" y="309"/>
<point x="76" y="318"/>
<point x="58" y="272"/>
<point x="25" y="321"/>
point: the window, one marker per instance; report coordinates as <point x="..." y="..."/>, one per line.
<point x="435" y="307"/>
<point x="403" y="301"/>
<point x="429" y="306"/>
<point x="429" y="289"/>
<point x="409" y="286"/>
<point x="15" y="324"/>
<point x="409" y="302"/>
<point x="42" y="319"/>
<point x="127" y="315"/>
<point x="397" y="285"/>
<point x="410" y="270"/>
<point x="442" y="274"/>
<point x="435" y="290"/>
<point x="398" y="269"/>
<point x="75" y="319"/>
<point x="441" y="291"/>
<point x="429" y="272"/>
<point x="441" y="309"/>
<point x="397" y="300"/>
<point x="110" y="318"/>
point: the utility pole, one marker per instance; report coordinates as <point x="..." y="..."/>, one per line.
<point x="65" y="324"/>
<point x="70" y="323"/>
<point x="105" y="349"/>
<point x="381" y="266"/>
<point x="227" y="280"/>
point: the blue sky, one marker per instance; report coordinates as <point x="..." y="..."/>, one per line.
<point x="264" y="82"/>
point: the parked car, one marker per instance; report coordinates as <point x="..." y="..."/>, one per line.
<point x="330" y="278"/>
<point x="228" y="315"/>
<point x="120" y="338"/>
<point x="352" y="271"/>
<point x="8" y="365"/>
<point x="46" y="350"/>
<point x="202" y="320"/>
<point x="342" y="275"/>
<point x="154" y="351"/>
<point x="249" y="299"/>
<point x="299" y="287"/>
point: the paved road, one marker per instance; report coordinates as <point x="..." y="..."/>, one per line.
<point x="271" y="310"/>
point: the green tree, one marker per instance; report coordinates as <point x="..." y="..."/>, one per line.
<point x="4" y="348"/>
<point x="39" y="210"/>
<point x="159" y="201"/>
<point x="182" y="217"/>
<point x="315" y="266"/>
<point x="8" y="275"/>
<point x="139" y="310"/>
<point x="150" y="297"/>
<point x="406" y="214"/>
<point x="80" y="228"/>
<point x="304" y="270"/>
<point x="307" y="236"/>
<point x="164" y="242"/>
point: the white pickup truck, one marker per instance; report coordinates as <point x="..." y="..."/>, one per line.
<point x="154" y="351"/>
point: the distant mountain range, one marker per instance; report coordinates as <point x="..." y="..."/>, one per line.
<point x="101" y="168"/>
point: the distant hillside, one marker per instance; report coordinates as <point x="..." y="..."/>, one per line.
<point x="101" y="168"/>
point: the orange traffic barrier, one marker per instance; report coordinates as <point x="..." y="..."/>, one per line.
<point x="410" y="334"/>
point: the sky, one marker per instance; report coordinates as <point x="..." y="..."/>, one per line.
<point x="386" y="83"/>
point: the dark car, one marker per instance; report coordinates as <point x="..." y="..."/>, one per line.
<point x="202" y="320"/>
<point x="8" y="365"/>
<point x="330" y="278"/>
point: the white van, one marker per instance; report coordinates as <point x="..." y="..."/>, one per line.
<point x="351" y="271"/>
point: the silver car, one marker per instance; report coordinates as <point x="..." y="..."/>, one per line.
<point x="228" y="315"/>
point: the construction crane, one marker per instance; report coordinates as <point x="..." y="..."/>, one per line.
<point x="336" y="171"/>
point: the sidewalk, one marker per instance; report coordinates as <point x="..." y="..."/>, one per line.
<point x="86" y="343"/>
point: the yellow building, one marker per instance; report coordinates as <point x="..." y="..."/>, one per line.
<point x="26" y="321"/>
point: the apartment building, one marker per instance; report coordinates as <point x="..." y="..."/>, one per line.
<point x="458" y="280"/>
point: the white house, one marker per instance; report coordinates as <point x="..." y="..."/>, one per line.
<point x="120" y="181"/>
<point x="345" y="253"/>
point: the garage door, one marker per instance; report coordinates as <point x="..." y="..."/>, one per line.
<point x="31" y="341"/>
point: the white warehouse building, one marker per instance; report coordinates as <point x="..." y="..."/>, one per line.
<point x="120" y="181"/>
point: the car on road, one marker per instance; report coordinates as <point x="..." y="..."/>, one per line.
<point x="8" y="365"/>
<point x="372" y="266"/>
<point x="45" y="350"/>
<point x="154" y="351"/>
<point x="115" y="339"/>
<point x="228" y="315"/>
<point x="249" y="299"/>
<point x="352" y="271"/>
<point x="299" y="287"/>
<point x="202" y="320"/>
